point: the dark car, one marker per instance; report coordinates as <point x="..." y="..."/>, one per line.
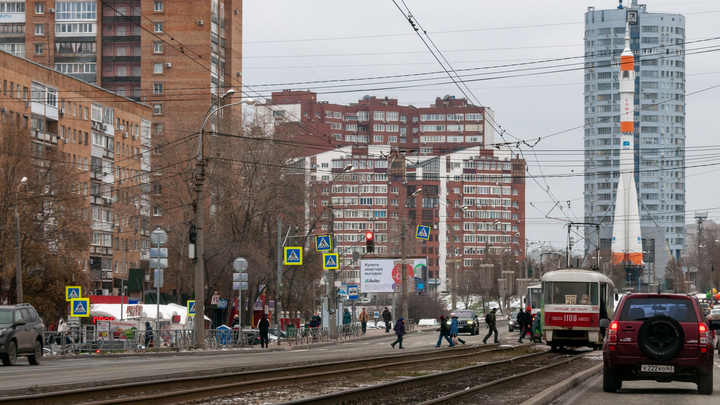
<point x="661" y="337"/>
<point x="512" y="322"/>
<point x="467" y="321"/>
<point x="21" y="334"/>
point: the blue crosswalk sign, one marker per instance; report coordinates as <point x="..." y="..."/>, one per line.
<point x="323" y="243"/>
<point x="80" y="307"/>
<point x="423" y="232"/>
<point x="191" y="308"/>
<point x="330" y="261"/>
<point x="293" y="256"/>
<point x="72" y="292"/>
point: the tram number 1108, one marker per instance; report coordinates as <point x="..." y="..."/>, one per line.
<point x="570" y="318"/>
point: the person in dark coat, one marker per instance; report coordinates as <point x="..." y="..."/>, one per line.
<point x="444" y="332"/>
<point x="492" y="326"/>
<point x="520" y="320"/>
<point x="400" y="332"/>
<point x="148" y="334"/>
<point x="527" y="324"/>
<point x="235" y="322"/>
<point x="387" y="318"/>
<point x="314" y="322"/>
<point x="347" y="318"/>
<point x="263" y="327"/>
<point x="454" y="327"/>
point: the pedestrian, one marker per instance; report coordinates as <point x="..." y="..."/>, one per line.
<point x="520" y="319"/>
<point x="263" y="327"/>
<point x="491" y="323"/>
<point x="235" y="322"/>
<point x="400" y="332"/>
<point x="444" y="332"/>
<point x="537" y="329"/>
<point x="387" y="318"/>
<point x="527" y="324"/>
<point x="313" y="322"/>
<point x="319" y="318"/>
<point x="454" y="329"/>
<point x="347" y="318"/>
<point x="364" y="318"/>
<point x="148" y="334"/>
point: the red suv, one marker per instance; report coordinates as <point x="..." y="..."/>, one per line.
<point x="661" y="337"/>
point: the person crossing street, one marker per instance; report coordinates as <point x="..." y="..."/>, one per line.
<point x="400" y="332"/>
<point x="364" y="318"/>
<point x="387" y="318"/>
<point x="491" y="322"/>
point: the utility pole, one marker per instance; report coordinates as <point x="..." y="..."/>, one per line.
<point x="454" y="266"/>
<point x="18" y="258"/>
<point x="278" y="293"/>
<point x="403" y="270"/>
<point x="332" y="295"/>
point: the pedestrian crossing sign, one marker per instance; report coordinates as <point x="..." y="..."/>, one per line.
<point x="191" y="308"/>
<point x="423" y="232"/>
<point x="80" y="307"/>
<point x="330" y="261"/>
<point x="72" y="292"/>
<point x="323" y="243"/>
<point x="293" y="256"/>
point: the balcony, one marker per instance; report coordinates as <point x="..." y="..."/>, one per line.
<point x="121" y="19"/>
<point x="120" y="79"/>
<point x="122" y="38"/>
<point x="124" y="59"/>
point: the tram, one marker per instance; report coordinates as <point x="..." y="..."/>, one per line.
<point x="534" y="298"/>
<point x="574" y="301"/>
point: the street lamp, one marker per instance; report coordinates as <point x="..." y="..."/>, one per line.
<point x="454" y="264"/>
<point x="403" y="273"/>
<point x="330" y="286"/>
<point x="18" y="257"/>
<point x="199" y="245"/>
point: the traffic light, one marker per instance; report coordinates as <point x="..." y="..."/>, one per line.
<point x="192" y="234"/>
<point x="369" y="242"/>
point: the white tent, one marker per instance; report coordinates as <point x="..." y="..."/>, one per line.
<point x="149" y="311"/>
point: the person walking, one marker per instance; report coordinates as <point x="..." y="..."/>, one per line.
<point x="491" y="323"/>
<point x="313" y="322"/>
<point x="527" y="325"/>
<point x="520" y="319"/>
<point x="387" y="318"/>
<point x="235" y="322"/>
<point x="148" y="334"/>
<point x="263" y="327"/>
<point x="400" y="332"/>
<point x="454" y="329"/>
<point x="536" y="329"/>
<point x="444" y="332"/>
<point x="347" y="318"/>
<point x="364" y="318"/>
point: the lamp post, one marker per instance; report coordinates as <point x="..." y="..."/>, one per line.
<point x="330" y="286"/>
<point x="455" y="278"/>
<point x="199" y="240"/>
<point x="403" y="272"/>
<point x="18" y="247"/>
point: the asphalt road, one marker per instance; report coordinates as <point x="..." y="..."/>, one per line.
<point x="643" y="393"/>
<point x="89" y="369"/>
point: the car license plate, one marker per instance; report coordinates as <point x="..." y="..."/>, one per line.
<point x="652" y="368"/>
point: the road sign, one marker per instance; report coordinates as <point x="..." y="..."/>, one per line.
<point x="158" y="237"/>
<point x="222" y="304"/>
<point x="72" y="292"/>
<point x="191" y="308"/>
<point x="156" y="263"/>
<point x="353" y="292"/>
<point x="80" y="307"/>
<point x="330" y="261"/>
<point x="73" y="322"/>
<point x="240" y="264"/>
<point x="158" y="252"/>
<point x="343" y="289"/>
<point x="323" y="243"/>
<point x="422" y="232"/>
<point x="293" y="256"/>
<point x="377" y="314"/>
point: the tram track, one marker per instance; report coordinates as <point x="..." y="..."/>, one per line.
<point x="185" y="389"/>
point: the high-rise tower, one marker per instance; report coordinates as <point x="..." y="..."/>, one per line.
<point x="657" y="42"/>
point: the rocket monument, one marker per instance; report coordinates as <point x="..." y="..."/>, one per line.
<point x="626" y="236"/>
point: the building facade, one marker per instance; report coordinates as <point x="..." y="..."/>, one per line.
<point x="472" y="199"/>
<point x="107" y="138"/>
<point x="657" y="41"/>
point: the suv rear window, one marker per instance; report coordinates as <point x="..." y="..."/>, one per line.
<point x="640" y="309"/>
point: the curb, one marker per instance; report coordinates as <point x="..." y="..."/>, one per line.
<point x="550" y="394"/>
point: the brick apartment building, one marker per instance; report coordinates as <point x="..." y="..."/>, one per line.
<point x="377" y="194"/>
<point x="108" y="138"/>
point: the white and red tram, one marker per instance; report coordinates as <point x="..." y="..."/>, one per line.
<point x="574" y="301"/>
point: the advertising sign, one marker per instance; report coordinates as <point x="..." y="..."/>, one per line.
<point x="380" y="275"/>
<point x="116" y="329"/>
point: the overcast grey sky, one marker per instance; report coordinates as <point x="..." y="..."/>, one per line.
<point x="302" y="45"/>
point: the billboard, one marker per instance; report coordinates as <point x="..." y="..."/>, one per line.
<point x="382" y="275"/>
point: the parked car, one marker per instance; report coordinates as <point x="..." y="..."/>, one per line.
<point x="512" y="322"/>
<point x="467" y="321"/>
<point x="21" y="334"/>
<point x="428" y="322"/>
<point x="661" y="337"/>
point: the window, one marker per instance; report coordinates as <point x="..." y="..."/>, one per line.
<point x="157" y="68"/>
<point x="38" y="49"/>
<point x="39" y="8"/>
<point x="157" y="189"/>
<point x="158" y="27"/>
<point x="157" y="108"/>
<point x="158" y="47"/>
<point x="39" y="29"/>
<point x="157" y="88"/>
<point x="158" y="6"/>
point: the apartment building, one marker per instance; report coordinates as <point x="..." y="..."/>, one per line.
<point x="657" y="41"/>
<point x="107" y="137"/>
<point x="473" y="199"/>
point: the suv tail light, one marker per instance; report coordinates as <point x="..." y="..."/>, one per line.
<point x="704" y="333"/>
<point x="612" y="334"/>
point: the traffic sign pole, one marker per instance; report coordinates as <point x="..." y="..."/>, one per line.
<point x="159" y="238"/>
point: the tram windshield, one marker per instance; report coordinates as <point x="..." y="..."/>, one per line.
<point x="571" y="293"/>
<point x="534" y="295"/>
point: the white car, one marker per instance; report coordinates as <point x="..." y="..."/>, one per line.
<point x="428" y="322"/>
